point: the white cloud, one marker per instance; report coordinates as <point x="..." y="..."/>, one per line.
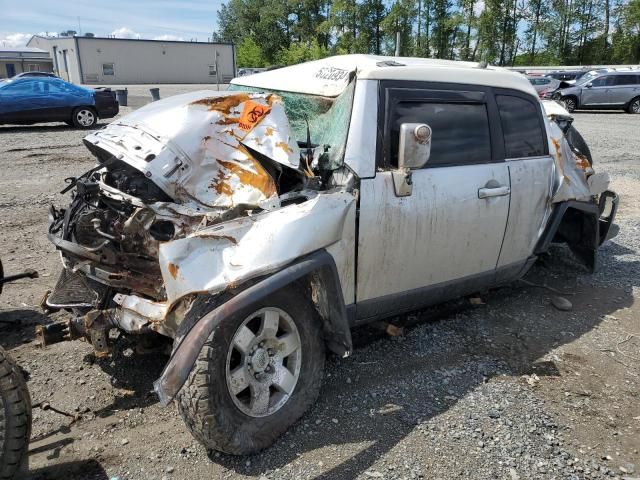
<point x="169" y="37"/>
<point x="478" y="8"/>
<point x="125" y="32"/>
<point x="14" y="39"/>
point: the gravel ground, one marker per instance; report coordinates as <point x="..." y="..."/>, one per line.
<point x="508" y="387"/>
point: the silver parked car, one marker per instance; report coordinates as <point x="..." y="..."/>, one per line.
<point x="253" y="228"/>
<point x="607" y="90"/>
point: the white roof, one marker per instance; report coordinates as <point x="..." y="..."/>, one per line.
<point x="22" y="50"/>
<point x="330" y="76"/>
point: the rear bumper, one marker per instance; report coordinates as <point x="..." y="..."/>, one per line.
<point x="108" y="111"/>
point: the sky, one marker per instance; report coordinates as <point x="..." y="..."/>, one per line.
<point x="156" y="19"/>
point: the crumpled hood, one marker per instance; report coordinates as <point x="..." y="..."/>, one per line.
<point x="193" y="146"/>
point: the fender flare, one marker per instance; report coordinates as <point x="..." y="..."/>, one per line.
<point x="319" y="264"/>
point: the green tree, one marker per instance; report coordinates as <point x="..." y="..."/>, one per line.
<point x="504" y="32"/>
<point x="248" y="54"/>
<point x="399" y="19"/>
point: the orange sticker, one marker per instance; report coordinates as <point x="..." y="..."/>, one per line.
<point x="252" y="114"/>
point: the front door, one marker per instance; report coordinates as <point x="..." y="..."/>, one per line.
<point x="598" y="93"/>
<point x="444" y="239"/>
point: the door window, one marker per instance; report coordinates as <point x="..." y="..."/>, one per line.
<point x="523" y="134"/>
<point x="603" y="81"/>
<point x="626" y="80"/>
<point x="460" y="132"/>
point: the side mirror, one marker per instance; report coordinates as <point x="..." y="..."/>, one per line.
<point x="589" y="85"/>
<point x="414" y="146"/>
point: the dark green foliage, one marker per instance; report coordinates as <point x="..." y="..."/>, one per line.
<point x="501" y="32"/>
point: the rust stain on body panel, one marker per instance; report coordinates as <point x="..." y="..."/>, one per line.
<point x="173" y="270"/>
<point x="259" y="178"/>
<point x="222" y="104"/>
<point x="284" y="146"/>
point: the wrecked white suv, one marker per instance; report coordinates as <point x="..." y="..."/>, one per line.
<point x="253" y="228"/>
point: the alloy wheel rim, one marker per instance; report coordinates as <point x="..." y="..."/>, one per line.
<point x="635" y="107"/>
<point x="570" y="104"/>
<point x="85" y="118"/>
<point x="263" y="362"/>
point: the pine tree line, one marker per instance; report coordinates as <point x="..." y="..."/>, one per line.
<point x="500" y="32"/>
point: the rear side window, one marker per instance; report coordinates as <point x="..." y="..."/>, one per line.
<point x="523" y="135"/>
<point x="460" y="131"/>
<point x="626" y="80"/>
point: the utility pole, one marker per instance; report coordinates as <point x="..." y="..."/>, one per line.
<point x="217" y="71"/>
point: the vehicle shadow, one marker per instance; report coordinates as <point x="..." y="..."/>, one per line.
<point x="78" y="470"/>
<point x="18" y="326"/>
<point x="600" y="112"/>
<point x="56" y="127"/>
<point x="390" y="385"/>
<point x="132" y="372"/>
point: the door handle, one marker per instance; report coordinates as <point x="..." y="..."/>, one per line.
<point x="494" y="191"/>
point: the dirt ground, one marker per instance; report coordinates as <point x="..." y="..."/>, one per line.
<point x="508" y="387"/>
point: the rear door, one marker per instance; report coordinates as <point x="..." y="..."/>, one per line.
<point x="63" y="98"/>
<point x="531" y="174"/>
<point x="444" y="239"/>
<point x="625" y="87"/>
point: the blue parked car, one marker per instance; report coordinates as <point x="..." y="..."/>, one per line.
<point x="28" y="100"/>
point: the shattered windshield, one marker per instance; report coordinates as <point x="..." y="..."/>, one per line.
<point x="328" y="118"/>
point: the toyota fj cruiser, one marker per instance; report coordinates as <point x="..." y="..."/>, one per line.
<point x="254" y="227"/>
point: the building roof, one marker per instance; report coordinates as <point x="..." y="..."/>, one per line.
<point x="22" y="50"/>
<point x="330" y="76"/>
<point x="81" y="37"/>
<point x="23" y="53"/>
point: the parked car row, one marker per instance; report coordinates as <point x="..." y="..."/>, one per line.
<point x="32" y="99"/>
<point x="596" y="89"/>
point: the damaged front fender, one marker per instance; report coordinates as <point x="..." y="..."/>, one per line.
<point x="248" y="247"/>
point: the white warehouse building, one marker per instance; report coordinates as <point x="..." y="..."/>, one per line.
<point x="116" y="61"/>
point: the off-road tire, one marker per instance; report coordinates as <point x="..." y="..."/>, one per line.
<point x="80" y="113"/>
<point x="576" y="141"/>
<point x="206" y="405"/>
<point x="15" y="418"/>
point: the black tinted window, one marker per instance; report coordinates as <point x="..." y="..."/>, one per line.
<point x="460" y="131"/>
<point x="523" y="135"/>
<point x="625" y="79"/>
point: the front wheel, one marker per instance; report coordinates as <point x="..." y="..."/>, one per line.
<point x="84" y="117"/>
<point x="15" y="418"/>
<point x="258" y="373"/>
<point x="570" y="104"/>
